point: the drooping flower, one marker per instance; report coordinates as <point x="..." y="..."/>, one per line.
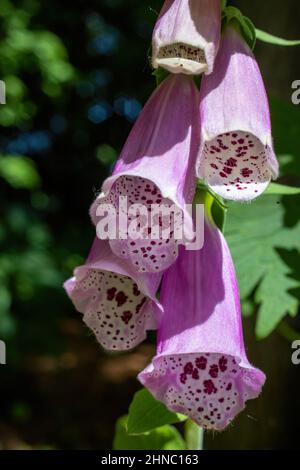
<point x="201" y="368"/>
<point x="157" y="167"/>
<point x="236" y="155"/>
<point x="186" y="36"/>
<point x="118" y="304"/>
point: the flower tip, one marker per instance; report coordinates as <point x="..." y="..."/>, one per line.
<point x="119" y="306"/>
<point x="237" y="165"/>
<point x="209" y="388"/>
<point x="186" y="36"/>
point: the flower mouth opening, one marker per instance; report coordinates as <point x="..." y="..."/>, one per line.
<point x="150" y="244"/>
<point x="210" y="388"/>
<point x="235" y="165"/>
<point x="116" y="310"/>
<point x="180" y="57"/>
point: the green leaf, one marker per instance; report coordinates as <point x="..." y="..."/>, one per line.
<point x="19" y="172"/>
<point x="160" y="75"/>
<point x="223" y="4"/>
<point x="163" y="438"/>
<point x="146" y="413"/>
<point x="260" y="244"/>
<point x="271" y="39"/>
<point x="274" y="297"/>
<point x="275" y="188"/>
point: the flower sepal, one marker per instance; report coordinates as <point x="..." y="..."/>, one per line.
<point x="235" y="17"/>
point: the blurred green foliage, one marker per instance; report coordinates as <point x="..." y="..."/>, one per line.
<point x="66" y="116"/>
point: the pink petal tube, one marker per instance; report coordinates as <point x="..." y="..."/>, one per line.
<point x="157" y="167"/>
<point x="236" y="155"/>
<point x="186" y="36"/>
<point x="201" y="368"/>
<point x="118" y="304"/>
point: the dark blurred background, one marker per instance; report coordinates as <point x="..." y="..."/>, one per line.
<point x="77" y="74"/>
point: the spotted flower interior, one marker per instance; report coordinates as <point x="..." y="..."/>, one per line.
<point x="117" y="311"/>
<point x="209" y="388"/>
<point x="182" y="57"/>
<point x="235" y="165"/>
<point x="157" y="247"/>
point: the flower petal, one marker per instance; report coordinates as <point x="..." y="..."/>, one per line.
<point x="157" y="167"/>
<point x="236" y="155"/>
<point x="201" y="368"/>
<point x="119" y="305"/>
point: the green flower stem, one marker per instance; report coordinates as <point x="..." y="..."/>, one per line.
<point x="194" y="436"/>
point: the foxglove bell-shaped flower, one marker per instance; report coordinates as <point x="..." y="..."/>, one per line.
<point x="201" y="368"/>
<point x="118" y="304"/>
<point x="186" y="36"/>
<point x="157" y="168"/>
<point x="236" y="155"/>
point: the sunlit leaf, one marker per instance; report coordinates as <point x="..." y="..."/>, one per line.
<point x="146" y="413"/>
<point x="163" y="438"/>
<point x="259" y="239"/>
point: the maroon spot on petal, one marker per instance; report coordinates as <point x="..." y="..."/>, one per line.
<point x="209" y="387"/>
<point x="223" y="364"/>
<point x="111" y="293"/>
<point x="138" y="308"/>
<point x="121" y="298"/>
<point x="182" y="378"/>
<point x="188" y="368"/>
<point x="213" y="371"/>
<point x="126" y="317"/>
<point x="231" y="162"/>
<point x="246" y="172"/>
<point x="201" y="362"/>
<point x="136" y="291"/>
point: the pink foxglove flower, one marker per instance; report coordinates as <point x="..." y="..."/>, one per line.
<point x="201" y="368"/>
<point x="236" y="156"/>
<point x="118" y="304"/>
<point x="157" y="167"/>
<point x="186" y="36"/>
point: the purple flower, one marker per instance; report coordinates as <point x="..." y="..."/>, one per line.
<point x="119" y="305"/>
<point x="236" y="156"/>
<point x="186" y="36"/>
<point x="157" y="167"/>
<point x="201" y="368"/>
